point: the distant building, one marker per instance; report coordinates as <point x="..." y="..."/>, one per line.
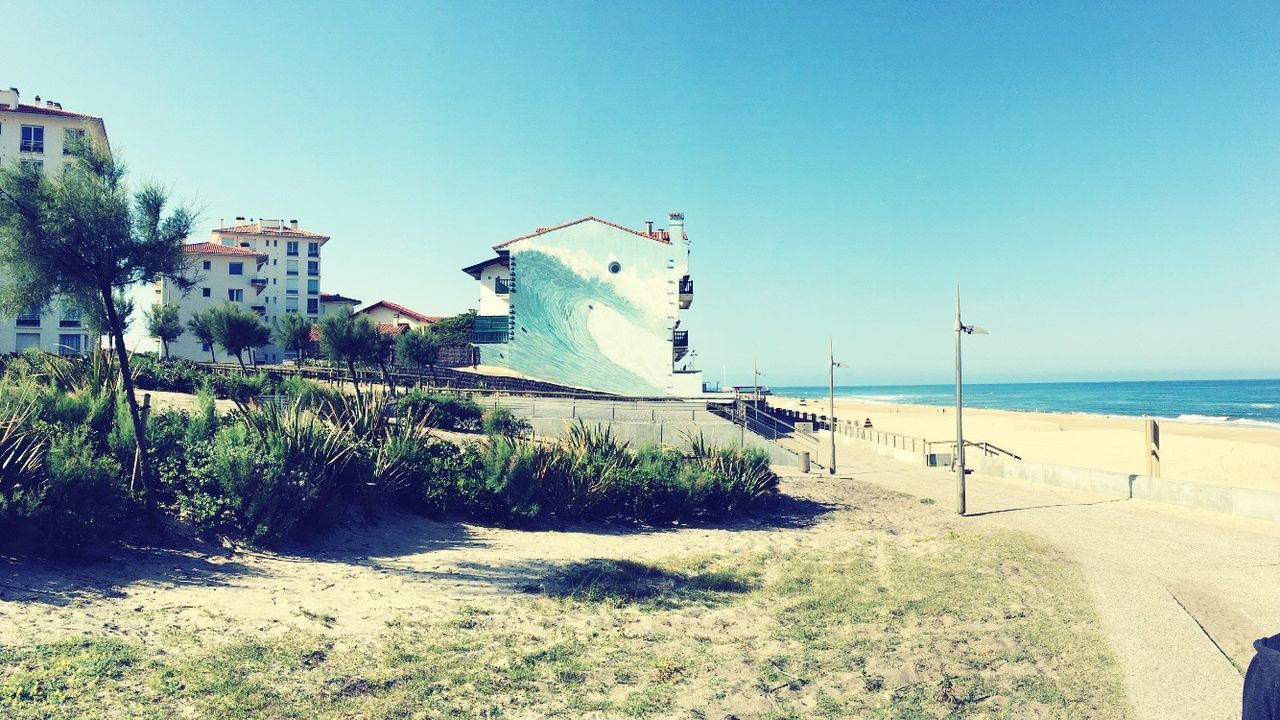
<point x="39" y="135"/>
<point x="335" y="303"/>
<point x="270" y="266"/>
<point x="395" y="319"/>
<point x="590" y="304"/>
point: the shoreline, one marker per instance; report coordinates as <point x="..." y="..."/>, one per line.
<point x="1216" y="453"/>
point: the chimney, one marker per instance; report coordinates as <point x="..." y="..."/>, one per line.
<point x="9" y="98"/>
<point x="239" y="218"/>
<point x="648" y="227"/>
<point x="675" y="226"/>
<point x="37" y="101"/>
<point x="48" y="103"/>
<point x="293" y="224"/>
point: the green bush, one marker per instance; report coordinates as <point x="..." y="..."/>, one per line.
<point x="500" y="421"/>
<point x="448" y="412"/>
<point x="82" y="499"/>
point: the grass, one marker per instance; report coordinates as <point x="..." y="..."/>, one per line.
<point x="988" y="625"/>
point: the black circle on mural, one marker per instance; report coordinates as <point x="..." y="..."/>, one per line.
<point x="614" y="267"/>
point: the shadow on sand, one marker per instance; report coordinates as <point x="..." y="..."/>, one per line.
<point x="376" y="545"/>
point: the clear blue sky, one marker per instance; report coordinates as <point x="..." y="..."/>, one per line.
<point x="1104" y="179"/>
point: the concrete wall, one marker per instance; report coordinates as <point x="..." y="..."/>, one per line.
<point x="901" y="454"/>
<point x="1244" y="502"/>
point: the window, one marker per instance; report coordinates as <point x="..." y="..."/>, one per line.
<point x="313" y="267"/>
<point x="291" y="286"/>
<point x="70" y="317"/>
<point x="37" y="165"/>
<point x="313" y="249"/>
<point x="30" y="317"/>
<point x="291" y="267"/>
<point x="501" y="287"/>
<point x="69" y="344"/>
<point x="235" y="295"/>
<point x="313" y="306"/>
<point x="70" y="137"/>
<point x="204" y="347"/>
<point x="205" y="292"/>
<point x="27" y="340"/>
<point x="291" y="248"/>
<point x="313" y="287"/>
<point x="291" y="305"/>
<point x="237" y="268"/>
<point x="32" y="139"/>
<point x="208" y="265"/>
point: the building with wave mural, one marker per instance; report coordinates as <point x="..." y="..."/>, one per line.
<point x="591" y="304"/>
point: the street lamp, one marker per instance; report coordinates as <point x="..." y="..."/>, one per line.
<point x="958" y="460"/>
<point x="831" y="399"/>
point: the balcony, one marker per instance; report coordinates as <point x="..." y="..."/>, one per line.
<point x="258" y="282"/>
<point x="679" y="344"/>
<point x="686" y="292"/>
<point x="489" y="329"/>
<point x="501" y="286"/>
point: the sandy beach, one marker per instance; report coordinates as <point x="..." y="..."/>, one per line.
<point x="1220" y="454"/>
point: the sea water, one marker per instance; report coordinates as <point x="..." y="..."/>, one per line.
<point x="1236" y="402"/>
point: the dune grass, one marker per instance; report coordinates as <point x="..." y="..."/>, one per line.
<point x="989" y="625"/>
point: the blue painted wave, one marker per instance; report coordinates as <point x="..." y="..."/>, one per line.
<point x="1236" y="402"/>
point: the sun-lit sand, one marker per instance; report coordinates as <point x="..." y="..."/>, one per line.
<point x="1220" y="454"/>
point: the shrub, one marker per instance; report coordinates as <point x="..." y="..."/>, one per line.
<point x="500" y="421"/>
<point x="82" y="499"/>
<point x="444" y="411"/>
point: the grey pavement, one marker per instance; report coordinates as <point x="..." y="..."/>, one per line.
<point x="1181" y="592"/>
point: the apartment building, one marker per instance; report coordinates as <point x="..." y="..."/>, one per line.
<point x="269" y="266"/>
<point x="591" y="304"/>
<point x="39" y="134"/>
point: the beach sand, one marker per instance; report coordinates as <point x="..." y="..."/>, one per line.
<point x="1218" y="454"/>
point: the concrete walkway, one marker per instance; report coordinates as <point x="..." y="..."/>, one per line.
<point x="1182" y="593"/>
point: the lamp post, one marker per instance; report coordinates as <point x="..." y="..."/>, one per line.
<point x="958" y="461"/>
<point x="831" y="399"/>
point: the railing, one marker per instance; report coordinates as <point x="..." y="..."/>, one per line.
<point x="686" y="286"/>
<point x="501" y="286"/>
<point x="680" y="338"/>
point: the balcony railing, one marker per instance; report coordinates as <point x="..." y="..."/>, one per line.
<point x="680" y="338"/>
<point x="258" y="282"/>
<point x="501" y="286"/>
<point x="686" y="292"/>
<point x="29" y="320"/>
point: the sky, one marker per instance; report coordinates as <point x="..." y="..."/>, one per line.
<point x="1101" y="179"/>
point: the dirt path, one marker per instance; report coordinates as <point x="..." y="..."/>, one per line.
<point x="1182" y="593"/>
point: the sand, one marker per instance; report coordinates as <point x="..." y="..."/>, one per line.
<point x="1217" y="454"/>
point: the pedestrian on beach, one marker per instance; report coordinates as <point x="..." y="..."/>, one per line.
<point x="1262" y="681"/>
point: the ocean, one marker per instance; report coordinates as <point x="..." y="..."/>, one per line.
<point x="1236" y="402"/>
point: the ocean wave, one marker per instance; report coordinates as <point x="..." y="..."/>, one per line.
<point x="1263" y="406"/>
<point x="1223" y="420"/>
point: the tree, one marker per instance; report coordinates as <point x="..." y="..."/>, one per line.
<point x="384" y="349"/>
<point x="201" y="325"/>
<point x="237" y="330"/>
<point x="95" y="316"/>
<point x="420" y="347"/>
<point x="80" y="234"/>
<point x="456" y="330"/>
<point x="348" y="340"/>
<point x="164" y="325"/>
<point x="293" y="332"/>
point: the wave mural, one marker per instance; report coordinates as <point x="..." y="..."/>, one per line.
<point x="592" y="315"/>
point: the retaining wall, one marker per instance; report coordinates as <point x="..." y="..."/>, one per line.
<point x="1244" y="502"/>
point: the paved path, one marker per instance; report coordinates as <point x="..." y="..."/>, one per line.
<point x="1178" y="590"/>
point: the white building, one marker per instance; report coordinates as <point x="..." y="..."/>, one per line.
<point x="393" y="318"/>
<point x="269" y="266"/>
<point x="591" y="304"/>
<point x="331" y="303"/>
<point x="40" y="134"/>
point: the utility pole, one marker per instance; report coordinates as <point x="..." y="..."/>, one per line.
<point x="958" y="460"/>
<point x="831" y="398"/>
<point x="961" y="329"/>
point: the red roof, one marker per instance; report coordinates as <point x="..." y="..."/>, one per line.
<point x="257" y="229"/>
<point x="208" y="248"/>
<point x="39" y="110"/>
<point x="402" y="310"/>
<point x="661" y="236"/>
<point x="393" y="328"/>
